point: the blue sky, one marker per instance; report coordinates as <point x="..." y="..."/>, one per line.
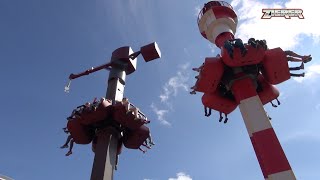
<point x="42" y="42"/>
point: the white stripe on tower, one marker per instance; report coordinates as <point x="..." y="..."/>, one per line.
<point x="254" y="115"/>
<point x="284" y="175"/>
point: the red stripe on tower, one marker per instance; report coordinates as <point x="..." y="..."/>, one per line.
<point x="222" y="12"/>
<point x="241" y="89"/>
<point x="269" y="152"/>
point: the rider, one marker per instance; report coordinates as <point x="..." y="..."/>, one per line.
<point x="294" y="57"/>
<point x="135" y="110"/>
<point x="69" y="141"/>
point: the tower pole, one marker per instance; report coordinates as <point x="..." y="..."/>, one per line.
<point x="271" y="157"/>
<point x="107" y="139"/>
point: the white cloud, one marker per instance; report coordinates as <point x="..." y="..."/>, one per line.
<point x="181" y="176"/>
<point x="312" y="72"/>
<point x="212" y="48"/>
<point x="279" y="32"/>
<point x="185" y="66"/>
<point x="197" y="10"/>
<point x="160" y="114"/>
<point x="175" y="83"/>
<point x="186" y="52"/>
<point x="170" y="89"/>
<point x="301" y="136"/>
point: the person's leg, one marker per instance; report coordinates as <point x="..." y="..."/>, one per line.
<point x="295" y="55"/>
<point x="196" y="69"/>
<point x="307" y="59"/>
<point x="72" y="114"/>
<point x="193" y="92"/>
<point x="297" y="68"/>
<point x="146" y="145"/>
<point x="67" y="142"/>
<point x="205" y="111"/>
<point x="209" y="114"/>
<point x="297" y="75"/>
<point x="66" y="130"/>
<point x="150" y="140"/>
<point x="273" y="105"/>
<point x="144" y="151"/>
<point x="226" y="118"/>
<point x="146" y="121"/>
<point x="117" y="160"/>
<point x="294" y="68"/>
<point x="220" y="119"/>
<point x="71" y="147"/>
<point x="293" y="59"/>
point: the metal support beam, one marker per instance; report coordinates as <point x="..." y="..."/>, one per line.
<point x="105" y="155"/>
<point x="116" y="84"/>
<point x="107" y="140"/>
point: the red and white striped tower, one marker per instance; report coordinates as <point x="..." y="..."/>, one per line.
<point x="217" y="22"/>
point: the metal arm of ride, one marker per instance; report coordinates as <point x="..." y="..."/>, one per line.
<point x="89" y="71"/>
<point x="149" y="53"/>
<point x="106" y="66"/>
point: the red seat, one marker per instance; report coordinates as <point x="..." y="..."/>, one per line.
<point x="210" y="75"/>
<point x="81" y="134"/>
<point x="269" y="92"/>
<point x="120" y="115"/>
<point x="219" y="103"/>
<point x="275" y="66"/>
<point x="135" y="139"/>
<point x="102" y="112"/>
<point x="253" y="56"/>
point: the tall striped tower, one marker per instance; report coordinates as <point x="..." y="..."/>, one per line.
<point x="217" y="23"/>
